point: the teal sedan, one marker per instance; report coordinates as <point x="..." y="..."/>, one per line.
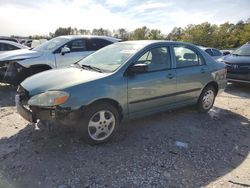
<point x="122" y="81"/>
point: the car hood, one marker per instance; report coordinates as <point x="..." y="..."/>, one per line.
<point x="19" y="54"/>
<point x="59" y="79"/>
<point x="236" y="59"/>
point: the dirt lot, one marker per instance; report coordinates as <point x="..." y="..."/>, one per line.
<point x="143" y="154"/>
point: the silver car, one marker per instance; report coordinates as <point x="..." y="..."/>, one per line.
<point x="59" y="52"/>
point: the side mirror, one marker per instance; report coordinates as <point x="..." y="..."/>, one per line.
<point x="138" y="68"/>
<point x="65" y="50"/>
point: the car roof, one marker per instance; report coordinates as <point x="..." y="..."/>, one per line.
<point x="148" y="42"/>
<point x="111" y="39"/>
<point x="14" y="44"/>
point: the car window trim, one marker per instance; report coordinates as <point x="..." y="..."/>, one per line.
<point x="189" y="47"/>
<point x="56" y="51"/>
<point x="216" y="50"/>
<point x="147" y="50"/>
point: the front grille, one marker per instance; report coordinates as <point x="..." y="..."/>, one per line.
<point x="237" y="66"/>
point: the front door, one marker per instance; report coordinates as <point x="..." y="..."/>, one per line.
<point x="153" y="89"/>
<point x="78" y="51"/>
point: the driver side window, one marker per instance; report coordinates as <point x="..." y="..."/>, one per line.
<point x="78" y="45"/>
<point x="156" y="59"/>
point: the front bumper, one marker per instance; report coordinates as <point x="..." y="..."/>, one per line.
<point x="236" y="77"/>
<point x="238" y="73"/>
<point x="23" y="111"/>
<point x="32" y="113"/>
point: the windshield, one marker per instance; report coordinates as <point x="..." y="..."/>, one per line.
<point x="111" y="57"/>
<point x="242" y="51"/>
<point x="51" y="44"/>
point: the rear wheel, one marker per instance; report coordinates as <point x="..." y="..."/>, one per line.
<point x="99" y="123"/>
<point x="206" y="99"/>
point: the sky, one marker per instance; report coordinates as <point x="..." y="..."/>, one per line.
<point x="39" y="17"/>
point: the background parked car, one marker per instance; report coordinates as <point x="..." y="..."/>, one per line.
<point x="238" y="64"/>
<point x="36" y="43"/>
<point x="213" y="52"/>
<point x="26" y="42"/>
<point x="226" y="52"/>
<point x="58" y="52"/>
<point x="123" y="80"/>
<point x="6" y="45"/>
<point x="8" y="39"/>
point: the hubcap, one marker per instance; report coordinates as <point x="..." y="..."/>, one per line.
<point x="208" y="99"/>
<point x="101" y="125"/>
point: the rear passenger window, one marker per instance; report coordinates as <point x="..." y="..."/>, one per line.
<point x="96" y="44"/>
<point x="7" y="47"/>
<point x="1" y="47"/>
<point x="10" y="47"/>
<point x="210" y="52"/>
<point x="186" y="57"/>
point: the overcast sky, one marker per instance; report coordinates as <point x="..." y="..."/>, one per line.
<point x="23" y="17"/>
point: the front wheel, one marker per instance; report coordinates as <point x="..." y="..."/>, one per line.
<point x="99" y="123"/>
<point x="206" y="99"/>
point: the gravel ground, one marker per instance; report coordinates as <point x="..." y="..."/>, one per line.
<point x="143" y="154"/>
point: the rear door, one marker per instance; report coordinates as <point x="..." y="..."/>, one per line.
<point x="191" y="71"/>
<point x="153" y="89"/>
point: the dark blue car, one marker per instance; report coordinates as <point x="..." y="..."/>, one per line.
<point x="238" y="64"/>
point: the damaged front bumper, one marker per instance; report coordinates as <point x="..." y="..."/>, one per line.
<point x="50" y="114"/>
<point x="23" y="111"/>
<point x="12" y="73"/>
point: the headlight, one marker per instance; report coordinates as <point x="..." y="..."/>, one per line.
<point x="49" y="98"/>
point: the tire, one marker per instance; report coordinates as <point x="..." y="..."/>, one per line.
<point x="99" y="123"/>
<point x="206" y="99"/>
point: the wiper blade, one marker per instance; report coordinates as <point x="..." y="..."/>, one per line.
<point x="89" y="67"/>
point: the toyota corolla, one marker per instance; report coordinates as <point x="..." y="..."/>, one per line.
<point x="121" y="81"/>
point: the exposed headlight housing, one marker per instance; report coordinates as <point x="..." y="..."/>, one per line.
<point x="49" y="99"/>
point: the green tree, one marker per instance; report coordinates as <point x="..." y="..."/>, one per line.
<point x="63" y="31"/>
<point x="140" y="33"/>
<point x="121" y="33"/>
<point x="101" y="31"/>
<point x="201" y="34"/>
<point x="176" y="34"/>
<point x="155" y="34"/>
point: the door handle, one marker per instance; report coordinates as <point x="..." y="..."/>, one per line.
<point x="203" y="71"/>
<point x="170" y="76"/>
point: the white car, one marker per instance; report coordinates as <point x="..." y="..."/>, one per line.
<point x="215" y="53"/>
<point x="59" y="52"/>
<point x="9" y="45"/>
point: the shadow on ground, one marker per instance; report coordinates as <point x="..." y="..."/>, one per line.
<point x="143" y="154"/>
<point x="7" y="95"/>
<point x="240" y="90"/>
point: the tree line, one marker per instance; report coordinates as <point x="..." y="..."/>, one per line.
<point x="224" y="36"/>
